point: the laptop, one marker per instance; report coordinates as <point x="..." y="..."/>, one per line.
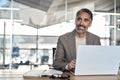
<point x="97" y="60"/>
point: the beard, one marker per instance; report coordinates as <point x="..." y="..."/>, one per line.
<point x="81" y="29"/>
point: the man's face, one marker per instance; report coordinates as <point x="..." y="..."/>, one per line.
<point x="82" y="21"/>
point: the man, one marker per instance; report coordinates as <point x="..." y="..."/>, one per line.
<point x="67" y="44"/>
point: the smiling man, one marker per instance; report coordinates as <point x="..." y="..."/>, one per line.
<point x="67" y="44"/>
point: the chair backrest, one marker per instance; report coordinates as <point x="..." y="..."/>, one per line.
<point x="54" y="49"/>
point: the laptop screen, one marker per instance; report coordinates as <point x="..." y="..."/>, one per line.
<point x="97" y="60"/>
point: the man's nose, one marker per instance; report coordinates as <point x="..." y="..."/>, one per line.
<point x="81" y="22"/>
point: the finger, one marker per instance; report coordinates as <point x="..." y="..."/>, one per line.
<point x="73" y="61"/>
<point x="72" y="65"/>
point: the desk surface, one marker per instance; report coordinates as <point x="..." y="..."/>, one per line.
<point x="72" y="77"/>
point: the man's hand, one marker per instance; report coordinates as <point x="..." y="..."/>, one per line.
<point x="71" y="65"/>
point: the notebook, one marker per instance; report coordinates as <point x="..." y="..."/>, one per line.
<point x="97" y="60"/>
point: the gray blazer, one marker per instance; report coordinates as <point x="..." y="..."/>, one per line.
<point x="66" y="48"/>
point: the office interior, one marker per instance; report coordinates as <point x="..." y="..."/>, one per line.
<point x="29" y="29"/>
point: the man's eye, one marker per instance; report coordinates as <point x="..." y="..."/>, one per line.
<point x="86" y="20"/>
<point x="78" y="19"/>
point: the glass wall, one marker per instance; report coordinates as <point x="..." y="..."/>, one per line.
<point x="30" y="28"/>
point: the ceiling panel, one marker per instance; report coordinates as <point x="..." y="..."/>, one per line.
<point x="47" y="12"/>
<point x="38" y="4"/>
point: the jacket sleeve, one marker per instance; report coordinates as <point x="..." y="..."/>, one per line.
<point x="59" y="61"/>
<point x="97" y="41"/>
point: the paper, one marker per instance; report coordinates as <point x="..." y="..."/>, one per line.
<point x="39" y="73"/>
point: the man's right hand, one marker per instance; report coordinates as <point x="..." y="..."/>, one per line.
<point x="71" y="65"/>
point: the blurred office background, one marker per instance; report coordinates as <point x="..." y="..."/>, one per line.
<point x="29" y="29"/>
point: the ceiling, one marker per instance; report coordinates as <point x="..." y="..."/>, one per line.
<point x="104" y="5"/>
<point x="41" y="13"/>
<point x="38" y="4"/>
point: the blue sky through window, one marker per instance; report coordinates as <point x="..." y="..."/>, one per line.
<point x="3" y="2"/>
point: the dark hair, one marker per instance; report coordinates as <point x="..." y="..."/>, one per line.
<point x="85" y="10"/>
